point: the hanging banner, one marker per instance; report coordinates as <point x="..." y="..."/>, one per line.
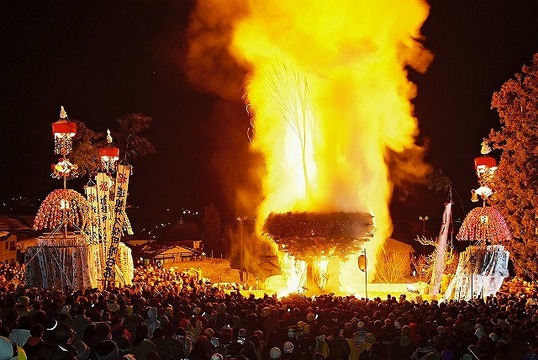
<point x="120" y="202"/>
<point x="439" y="262"/>
<point x="93" y="229"/>
<point x="103" y="193"/>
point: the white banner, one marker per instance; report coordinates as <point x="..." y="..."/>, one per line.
<point x="103" y="192"/>
<point x="93" y="229"/>
<point x="120" y="202"/>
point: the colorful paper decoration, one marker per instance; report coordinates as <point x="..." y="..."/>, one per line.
<point x="484" y="224"/>
<point x="62" y="207"/>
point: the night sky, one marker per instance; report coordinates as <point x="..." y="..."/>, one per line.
<point x="102" y="60"/>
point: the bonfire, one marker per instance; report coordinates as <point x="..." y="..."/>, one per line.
<point x="317" y="237"/>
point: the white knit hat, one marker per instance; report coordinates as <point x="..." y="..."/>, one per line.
<point x="275" y="353"/>
<point x="288" y="347"/>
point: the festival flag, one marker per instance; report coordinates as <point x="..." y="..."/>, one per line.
<point x="442" y="240"/>
<point x="120" y="202"/>
<point x="93" y="229"/>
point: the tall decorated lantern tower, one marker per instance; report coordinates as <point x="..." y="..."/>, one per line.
<point x="72" y="253"/>
<point x="484" y="263"/>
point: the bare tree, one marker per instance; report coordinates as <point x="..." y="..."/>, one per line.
<point x="392" y="267"/>
<point x="291" y="93"/>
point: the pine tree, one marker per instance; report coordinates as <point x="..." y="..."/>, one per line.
<point x="132" y="145"/>
<point x="86" y="146"/>
<point x="516" y="180"/>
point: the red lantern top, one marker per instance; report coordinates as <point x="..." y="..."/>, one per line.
<point x="110" y="152"/>
<point x="64" y="126"/>
<point x="484" y="162"/>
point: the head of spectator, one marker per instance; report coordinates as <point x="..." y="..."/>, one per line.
<point x="107" y="350"/>
<point x="275" y="353"/>
<point x="64" y="334"/>
<point x="216" y="356"/>
<point x="288" y="347"/>
<point x="22" y="306"/>
<point x="24" y="322"/>
<point x="102" y="330"/>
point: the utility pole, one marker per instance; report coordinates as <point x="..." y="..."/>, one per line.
<point x="363" y="266"/>
<point x="423" y="219"/>
<point x="241" y="219"/>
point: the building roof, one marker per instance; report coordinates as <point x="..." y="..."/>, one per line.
<point x="4" y="235"/>
<point x="153" y="249"/>
<point x="396" y="246"/>
<point x="10" y="224"/>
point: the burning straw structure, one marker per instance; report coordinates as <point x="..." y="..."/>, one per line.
<point x="317" y="237"/>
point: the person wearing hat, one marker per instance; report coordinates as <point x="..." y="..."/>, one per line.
<point x="22" y="307"/>
<point x="483" y="348"/>
<point x="336" y="347"/>
<point x="21" y="332"/>
<point x="112" y="304"/>
<point x="142" y="345"/>
<point x="288" y="348"/>
<point x="79" y="321"/>
<point x="165" y="345"/>
<point x="59" y="347"/>
<point x="117" y="328"/>
<point x="360" y="335"/>
<point x="369" y="339"/>
<point x="151" y="321"/>
<point x="403" y="346"/>
<point x="423" y="349"/>
<point x="216" y="356"/>
<point x="184" y="340"/>
<point x="134" y="319"/>
<point x="275" y="353"/>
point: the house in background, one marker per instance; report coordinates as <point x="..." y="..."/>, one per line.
<point x="164" y="254"/>
<point x="12" y="231"/>
<point x="393" y="263"/>
<point x="8" y="247"/>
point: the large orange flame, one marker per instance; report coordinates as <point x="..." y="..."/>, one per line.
<point x="330" y="96"/>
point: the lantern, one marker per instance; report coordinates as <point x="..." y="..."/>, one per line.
<point x="109" y="154"/>
<point x="362" y="262"/>
<point x="484" y="164"/>
<point x="63" y="131"/>
<point x="474" y="196"/>
<point x="64" y="169"/>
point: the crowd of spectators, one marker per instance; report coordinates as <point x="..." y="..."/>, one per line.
<point x="180" y="315"/>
